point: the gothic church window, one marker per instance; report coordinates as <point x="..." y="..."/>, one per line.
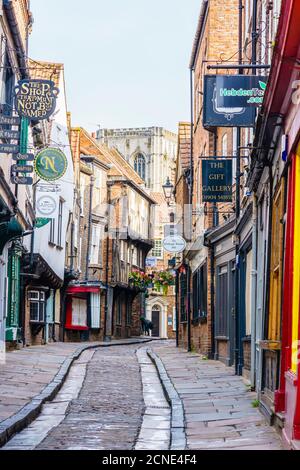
<point x="140" y="165"/>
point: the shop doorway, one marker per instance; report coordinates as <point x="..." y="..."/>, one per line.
<point x="156" y="313"/>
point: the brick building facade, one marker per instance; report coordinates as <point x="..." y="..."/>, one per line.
<point x="111" y="236"/>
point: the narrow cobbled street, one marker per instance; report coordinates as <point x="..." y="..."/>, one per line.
<point x="115" y="398"/>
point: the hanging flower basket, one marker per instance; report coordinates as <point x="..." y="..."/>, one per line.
<point x="140" y="280"/>
<point x="163" y="280"/>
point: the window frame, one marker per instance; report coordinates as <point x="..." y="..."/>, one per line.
<point x="140" y="165"/>
<point x="40" y="301"/>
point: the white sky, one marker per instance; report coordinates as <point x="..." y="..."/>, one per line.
<point x="126" y="61"/>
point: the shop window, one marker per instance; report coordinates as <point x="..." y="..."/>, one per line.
<point x="119" y="312"/>
<point x="174" y="318"/>
<point x="274" y="322"/>
<point x="79" y="312"/>
<point x="183" y="297"/>
<point x="128" y="313"/>
<point x="200" y="293"/>
<point x="95" y="310"/>
<point x="37" y="303"/>
<point x="248" y="292"/>
<point x="222" y="301"/>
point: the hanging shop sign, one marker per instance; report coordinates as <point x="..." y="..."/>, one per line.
<point x="9" y="148"/>
<point x="217" y="180"/>
<point x="27" y="180"/>
<point x="10" y="120"/>
<point x="174" y="244"/>
<point x="47" y="206"/>
<point x="221" y="116"/>
<point x="49" y="188"/>
<point x="243" y="91"/>
<point x="8" y="134"/>
<point x="35" y="99"/>
<point x="151" y="262"/>
<point x="50" y="164"/>
<point x="28" y="157"/>
<point x="22" y="169"/>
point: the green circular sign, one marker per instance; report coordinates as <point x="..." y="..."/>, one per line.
<point x="50" y="164"/>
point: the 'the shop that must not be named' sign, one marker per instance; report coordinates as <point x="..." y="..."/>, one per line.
<point x="217" y="180"/>
<point x="35" y="99"/>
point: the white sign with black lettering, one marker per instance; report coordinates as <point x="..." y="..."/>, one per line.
<point x="47" y="205"/>
<point x="174" y="244"/>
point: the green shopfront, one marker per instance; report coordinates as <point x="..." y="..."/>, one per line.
<point x="10" y="279"/>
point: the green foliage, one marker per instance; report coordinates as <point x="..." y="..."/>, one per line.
<point x="255" y="403"/>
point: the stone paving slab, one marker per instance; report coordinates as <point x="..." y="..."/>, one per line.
<point x="217" y="404"/>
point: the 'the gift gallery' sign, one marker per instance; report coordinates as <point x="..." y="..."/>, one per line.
<point x="35" y="99"/>
<point x="217" y="180"/>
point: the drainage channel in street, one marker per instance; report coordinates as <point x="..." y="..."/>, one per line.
<point x="155" y="433"/>
<point x="54" y="412"/>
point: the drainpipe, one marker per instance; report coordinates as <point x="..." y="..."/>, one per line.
<point x="253" y="293"/>
<point x="177" y="308"/>
<point x="107" y="337"/>
<point x="238" y="347"/>
<point x="254" y="227"/>
<point x="89" y="229"/>
<point x="191" y="187"/>
<point x="212" y="305"/>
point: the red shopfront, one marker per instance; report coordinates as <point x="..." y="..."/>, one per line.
<point x="83" y="313"/>
<point x="281" y="103"/>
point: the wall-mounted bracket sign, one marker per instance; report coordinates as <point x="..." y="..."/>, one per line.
<point x="9" y="148"/>
<point x="35" y="99"/>
<point x="28" y="157"/>
<point x="22" y="169"/>
<point x="50" y="164"/>
<point x="10" y="120"/>
<point x="217" y="180"/>
<point x="175" y="244"/>
<point x="22" y="180"/>
<point x="215" y="115"/>
<point x="8" y="134"/>
<point x="47" y="206"/>
<point x="243" y="91"/>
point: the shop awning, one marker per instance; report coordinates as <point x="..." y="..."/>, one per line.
<point x="84" y="290"/>
<point x="8" y="231"/>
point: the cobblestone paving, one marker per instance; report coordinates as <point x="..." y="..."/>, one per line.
<point x="218" y="405"/>
<point x="107" y="414"/>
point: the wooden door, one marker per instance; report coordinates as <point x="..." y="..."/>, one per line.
<point x="155" y="321"/>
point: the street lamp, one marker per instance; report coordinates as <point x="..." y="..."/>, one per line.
<point x="168" y="188"/>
